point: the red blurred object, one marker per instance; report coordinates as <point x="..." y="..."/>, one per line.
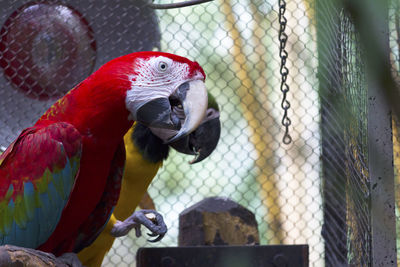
<point x="46" y="49"/>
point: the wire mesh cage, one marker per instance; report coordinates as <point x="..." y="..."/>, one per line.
<point x="315" y="191"/>
<point x="47" y="47"/>
<point x="345" y="145"/>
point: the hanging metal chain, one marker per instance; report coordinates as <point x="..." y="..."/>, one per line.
<point x="283" y="54"/>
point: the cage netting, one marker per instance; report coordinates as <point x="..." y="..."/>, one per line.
<point x="343" y="92"/>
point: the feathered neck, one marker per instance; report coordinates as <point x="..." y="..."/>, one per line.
<point x="150" y="146"/>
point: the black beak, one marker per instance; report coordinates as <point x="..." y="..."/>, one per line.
<point x="203" y="140"/>
<point x="158" y="113"/>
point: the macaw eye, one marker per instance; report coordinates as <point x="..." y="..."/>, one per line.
<point x="162" y="66"/>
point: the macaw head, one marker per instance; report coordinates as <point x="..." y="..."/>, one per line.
<point x="166" y="91"/>
<point x="156" y="89"/>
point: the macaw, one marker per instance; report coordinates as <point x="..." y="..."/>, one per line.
<point x="61" y="178"/>
<point x="146" y="149"/>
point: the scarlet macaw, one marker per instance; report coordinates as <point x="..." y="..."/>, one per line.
<point x="145" y="152"/>
<point x="60" y="179"/>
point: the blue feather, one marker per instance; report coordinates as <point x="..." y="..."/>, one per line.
<point x="55" y="203"/>
<point x="45" y="211"/>
<point x="29" y="199"/>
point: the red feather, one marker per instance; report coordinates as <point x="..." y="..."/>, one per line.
<point x="25" y="159"/>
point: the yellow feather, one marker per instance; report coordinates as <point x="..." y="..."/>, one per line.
<point x="137" y="177"/>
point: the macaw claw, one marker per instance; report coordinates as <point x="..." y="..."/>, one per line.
<point x="155" y="239"/>
<point x="151" y="219"/>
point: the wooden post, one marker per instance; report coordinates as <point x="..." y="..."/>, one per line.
<point x="218" y="232"/>
<point x="217" y="221"/>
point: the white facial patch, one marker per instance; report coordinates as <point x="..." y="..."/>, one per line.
<point x="157" y="77"/>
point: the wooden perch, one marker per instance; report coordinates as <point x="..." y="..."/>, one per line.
<point x="13" y="256"/>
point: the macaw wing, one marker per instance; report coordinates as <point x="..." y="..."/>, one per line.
<point x="98" y="219"/>
<point x="37" y="173"/>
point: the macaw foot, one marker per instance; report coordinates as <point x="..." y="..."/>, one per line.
<point x="151" y="219"/>
<point x="70" y="259"/>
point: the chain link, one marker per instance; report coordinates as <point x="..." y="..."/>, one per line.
<point x="284" y="71"/>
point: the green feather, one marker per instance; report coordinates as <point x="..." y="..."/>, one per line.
<point x="212" y="103"/>
<point x="20" y="212"/>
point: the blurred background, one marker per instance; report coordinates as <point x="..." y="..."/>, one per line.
<point x="315" y="190"/>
